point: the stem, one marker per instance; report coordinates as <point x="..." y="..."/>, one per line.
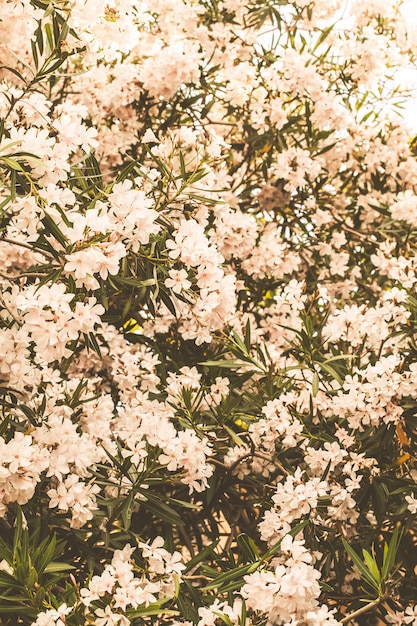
<point x="10" y="312"/>
<point x="24" y="275"/>
<point x="360" y="611"/>
<point x="28" y="246"/>
<point x="188" y="544"/>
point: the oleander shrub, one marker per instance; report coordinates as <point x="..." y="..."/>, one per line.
<point x="208" y="317"/>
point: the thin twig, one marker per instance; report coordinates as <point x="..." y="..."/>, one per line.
<point x="360" y="611"/>
<point x="12" y="315"/>
<point x="23" y="275"/>
<point x="28" y="246"/>
<point x="269" y="458"/>
<point x="187" y="542"/>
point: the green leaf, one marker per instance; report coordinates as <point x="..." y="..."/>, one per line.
<point x="330" y="370"/>
<point x="202" y="555"/>
<point x="364" y="572"/>
<point x="32" y="578"/>
<point x="273" y="550"/>
<point x="248" y="336"/>
<point x="160" y="509"/>
<point x="234" y="436"/>
<point x="372" y="565"/>
<point x="390" y="553"/>
<point x="19" y="75"/>
<point x="323" y="36"/>
<point x="187" y="609"/>
<point x="132" y="281"/>
<point x="234" y="575"/>
<point x="127" y="510"/>
<point x="35" y="54"/>
<point x="57" y="566"/>
<point x="339" y="357"/>
<point x="53" y="229"/>
<point x="241" y="343"/>
<point x="243" y="613"/>
<point x="8" y="581"/>
<point x="49" y="36"/>
<point x="182" y="166"/>
<point x="6" y="609"/>
<point x="225" y="363"/>
<point x="14" y="165"/>
<point x="225" y="618"/>
<point x="315" y="385"/>
<point x="17" y="539"/>
<point x="155" y="608"/>
<point x="248" y="547"/>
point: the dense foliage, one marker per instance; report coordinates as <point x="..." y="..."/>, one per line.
<point x="208" y="373"/>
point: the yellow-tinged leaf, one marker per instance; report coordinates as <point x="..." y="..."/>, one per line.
<point x="402" y="435"/>
<point x="131" y="325"/>
<point x="401" y="460"/>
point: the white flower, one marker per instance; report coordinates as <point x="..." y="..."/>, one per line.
<point x="412" y="504"/>
<point x="177" y="281"/>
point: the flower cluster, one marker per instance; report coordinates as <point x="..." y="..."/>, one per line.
<point x="119" y="588"/>
<point x="207" y="313"/>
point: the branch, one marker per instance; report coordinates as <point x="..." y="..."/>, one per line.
<point x="364" y="609"/>
<point x="10" y="312"/>
<point x="27" y="246"/>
